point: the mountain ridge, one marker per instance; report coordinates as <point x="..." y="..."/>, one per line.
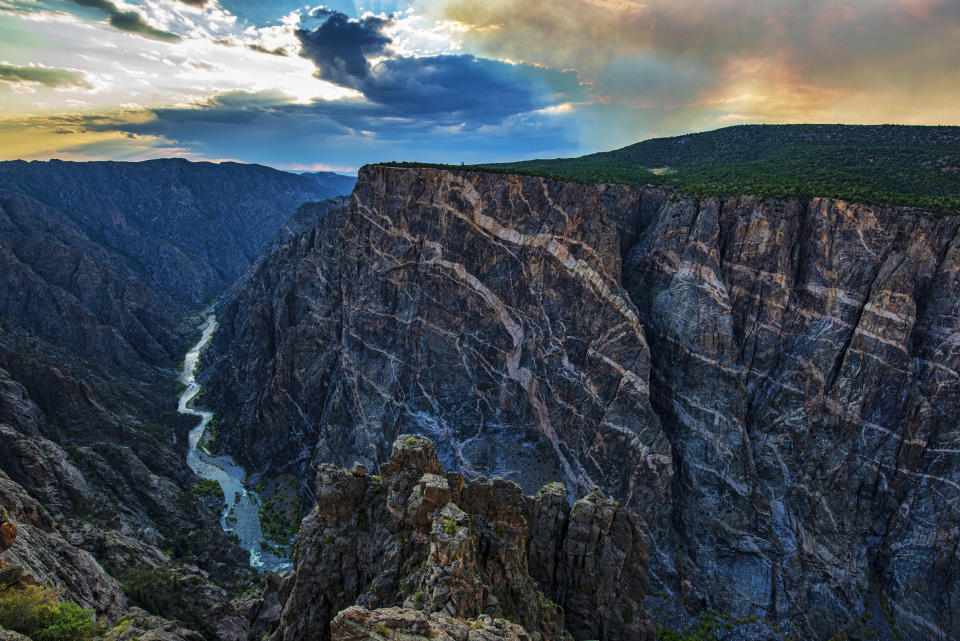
<point x="902" y="165"/>
<point x="187" y="228"/>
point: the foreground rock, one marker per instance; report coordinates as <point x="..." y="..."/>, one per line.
<point x="357" y="623"/>
<point x="441" y="552"/>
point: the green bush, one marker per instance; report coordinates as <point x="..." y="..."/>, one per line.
<point x="207" y="487"/>
<point x="450" y="526"/>
<point x="280" y="518"/>
<point x="35" y="612"/>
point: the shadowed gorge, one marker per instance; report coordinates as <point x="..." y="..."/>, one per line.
<point x="93" y="327"/>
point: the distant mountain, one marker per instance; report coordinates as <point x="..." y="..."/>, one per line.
<point x="188" y="228"/>
<point x="332" y="180"/>
<point x="881" y="165"/>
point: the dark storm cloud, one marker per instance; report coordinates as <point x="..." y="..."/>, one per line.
<point x="129" y="21"/>
<point x="341" y="47"/>
<point x="43" y="76"/>
<point x="356" y="53"/>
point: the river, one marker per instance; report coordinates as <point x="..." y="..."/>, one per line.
<point x="240" y="515"/>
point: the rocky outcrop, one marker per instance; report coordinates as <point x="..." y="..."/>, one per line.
<point x="598" y="570"/>
<point x="138" y="625"/>
<point x="448" y="553"/>
<point x="190" y="229"/>
<point x="773" y="382"/>
<point x="359" y="624"/>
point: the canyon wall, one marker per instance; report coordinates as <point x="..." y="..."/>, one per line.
<point x="772" y="383"/>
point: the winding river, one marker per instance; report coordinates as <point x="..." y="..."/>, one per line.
<point x="240" y="516"/>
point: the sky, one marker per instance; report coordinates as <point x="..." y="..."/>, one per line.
<point x="334" y="86"/>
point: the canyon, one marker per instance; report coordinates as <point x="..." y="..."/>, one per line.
<point x="511" y="407"/>
<point x="98" y="288"/>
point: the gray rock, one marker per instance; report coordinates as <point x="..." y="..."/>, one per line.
<point x="399" y="540"/>
<point x="772" y="381"/>
<point x="360" y="624"/>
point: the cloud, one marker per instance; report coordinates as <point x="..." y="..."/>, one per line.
<point x="130" y="21"/>
<point x="83" y="137"/>
<point x="680" y="64"/>
<point x="279" y="51"/>
<point x="358" y="53"/>
<point x="461" y="80"/>
<point x="267" y="127"/>
<point x="41" y="75"/>
<point x="341" y="47"/>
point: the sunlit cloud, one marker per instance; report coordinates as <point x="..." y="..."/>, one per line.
<point x="80" y="136"/>
<point x="28" y="77"/>
<point x="732" y="60"/>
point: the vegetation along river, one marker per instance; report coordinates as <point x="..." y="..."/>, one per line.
<point x="241" y="513"/>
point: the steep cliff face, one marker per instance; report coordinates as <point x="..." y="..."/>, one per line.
<point x="189" y="229"/>
<point x="286" y="315"/>
<point x="418" y="542"/>
<point x="773" y="382"/>
<point x="805" y="359"/>
<point x="484" y="313"/>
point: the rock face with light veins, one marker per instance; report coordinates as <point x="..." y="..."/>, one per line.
<point x="805" y="365"/>
<point x="773" y="382"/>
<point x="484" y="312"/>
